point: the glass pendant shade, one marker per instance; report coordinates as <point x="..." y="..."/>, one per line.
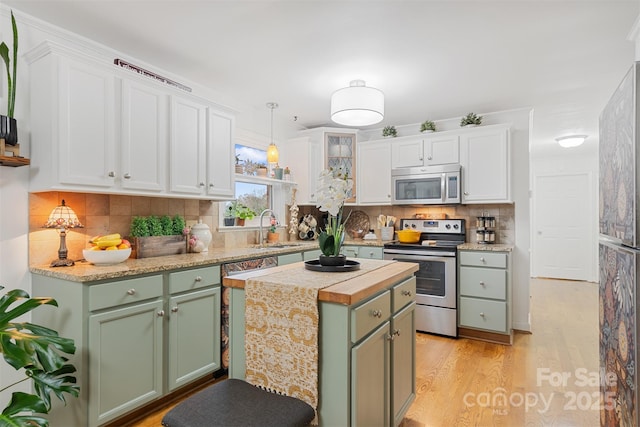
<point x="357" y="105"/>
<point x="571" y="141"/>
<point x="272" y="153"/>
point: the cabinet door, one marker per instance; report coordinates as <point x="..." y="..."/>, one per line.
<point x="370" y="379"/>
<point x="145" y="128"/>
<point x="315" y="167"/>
<point x="407" y="154"/>
<point x="220" y="155"/>
<point x="194" y="336"/>
<point x="341" y="154"/>
<point x="484" y="157"/>
<point x="125" y="360"/>
<point x="85" y="124"/>
<point x="403" y="360"/>
<point x="188" y="146"/>
<point x="441" y="150"/>
<point x="374" y="173"/>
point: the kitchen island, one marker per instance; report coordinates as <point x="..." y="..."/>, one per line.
<point x="364" y="351"/>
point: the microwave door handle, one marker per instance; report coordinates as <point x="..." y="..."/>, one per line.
<point x="443" y="189"/>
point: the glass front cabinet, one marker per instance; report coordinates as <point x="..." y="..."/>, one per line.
<point x="340" y="149"/>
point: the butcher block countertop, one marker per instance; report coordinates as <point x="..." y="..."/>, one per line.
<point x="348" y="292"/>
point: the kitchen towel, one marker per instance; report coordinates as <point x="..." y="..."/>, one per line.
<point x="281" y="329"/>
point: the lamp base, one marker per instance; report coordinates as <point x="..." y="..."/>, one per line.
<point x="62" y="263"/>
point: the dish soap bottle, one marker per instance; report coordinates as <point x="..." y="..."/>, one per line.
<point x="203" y="233"/>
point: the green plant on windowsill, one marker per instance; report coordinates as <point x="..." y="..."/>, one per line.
<point x="243" y="212"/>
<point x="41" y="353"/>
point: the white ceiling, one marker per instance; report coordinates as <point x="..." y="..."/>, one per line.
<point x="432" y="59"/>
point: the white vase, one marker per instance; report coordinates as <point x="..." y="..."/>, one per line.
<point x="203" y="233"/>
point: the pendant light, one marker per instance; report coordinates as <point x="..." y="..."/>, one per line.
<point x="357" y="105"/>
<point x="272" y="150"/>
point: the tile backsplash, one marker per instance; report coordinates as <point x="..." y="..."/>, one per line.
<point x="103" y="213"/>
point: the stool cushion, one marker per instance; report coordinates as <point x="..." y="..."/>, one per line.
<point x="235" y="402"/>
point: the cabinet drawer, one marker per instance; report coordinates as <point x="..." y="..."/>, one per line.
<point x="188" y="280"/>
<point x="404" y="293"/>
<point x="483" y="259"/>
<point x="369" y="315"/>
<point x="483" y="282"/>
<point x="350" y="251"/>
<point x="369" y="252"/>
<point x="124" y="292"/>
<point x="483" y="314"/>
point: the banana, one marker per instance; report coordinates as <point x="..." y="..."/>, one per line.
<point x="107" y="237"/>
<point x="106" y="243"/>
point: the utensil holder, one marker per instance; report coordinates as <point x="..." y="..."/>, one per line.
<point x="386" y="233"/>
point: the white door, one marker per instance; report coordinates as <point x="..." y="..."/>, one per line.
<point x="564" y="232"/>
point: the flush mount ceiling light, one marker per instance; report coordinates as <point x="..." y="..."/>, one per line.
<point x="357" y="105"/>
<point x="571" y="140"/>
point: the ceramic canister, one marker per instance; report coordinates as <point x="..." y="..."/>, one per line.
<point x="203" y="233"/>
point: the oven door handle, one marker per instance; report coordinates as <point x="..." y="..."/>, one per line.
<point x="401" y="257"/>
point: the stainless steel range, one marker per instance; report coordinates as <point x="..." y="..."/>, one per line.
<point x="435" y="254"/>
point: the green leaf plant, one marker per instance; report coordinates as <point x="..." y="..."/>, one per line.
<point x="40" y="352"/>
<point x="11" y="68"/>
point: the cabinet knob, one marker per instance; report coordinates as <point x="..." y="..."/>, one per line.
<point x="112" y="174"/>
<point x="174" y="309"/>
<point x="466" y="193"/>
<point x="429" y="158"/>
<point x="396" y="332"/>
<point x="127" y="176"/>
<point x="390" y="337"/>
<point x="160" y="313"/>
<point x="388" y="196"/>
<point x="201" y="184"/>
<point x="371" y="254"/>
<point x="377" y="313"/>
<point x="406" y="293"/>
<point x="198" y="278"/>
<point x="131" y="291"/>
<point x="420" y="158"/>
<point x="482" y="259"/>
<point x="481" y="283"/>
<point x="211" y="185"/>
<point x="481" y="314"/>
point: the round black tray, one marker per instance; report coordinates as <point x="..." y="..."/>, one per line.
<point x="314" y="265"/>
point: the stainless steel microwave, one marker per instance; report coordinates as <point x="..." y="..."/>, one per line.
<point x="429" y="185"/>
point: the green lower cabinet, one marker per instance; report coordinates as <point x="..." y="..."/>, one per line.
<point x="369" y="252"/>
<point x="191" y="317"/>
<point x="403" y="362"/>
<point x="289" y="258"/>
<point x="125" y="360"/>
<point x="312" y="254"/>
<point x="370" y="366"/>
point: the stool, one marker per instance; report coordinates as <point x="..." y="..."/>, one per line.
<point x="235" y="402"/>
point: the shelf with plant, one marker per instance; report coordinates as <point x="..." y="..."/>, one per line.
<point x="471" y="119"/>
<point x="389" y="131"/>
<point x="427" y="126"/>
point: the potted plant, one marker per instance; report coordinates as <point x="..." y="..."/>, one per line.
<point x="272" y="234"/>
<point x="41" y="353"/>
<point x="243" y="213"/>
<point x="471" y="120"/>
<point x="332" y="192"/>
<point x="8" y="126"/>
<point x="389" y="131"/>
<point x="427" y="126"/>
<point x="262" y="169"/>
<point x="156" y="236"/>
<point x="239" y="168"/>
<point x="287" y="173"/>
<point x="230" y="214"/>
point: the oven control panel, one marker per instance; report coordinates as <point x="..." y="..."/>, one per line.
<point x="450" y="226"/>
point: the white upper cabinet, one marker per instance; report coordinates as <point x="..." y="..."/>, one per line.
<point x="220" y="154"/>
<point x="144" y="134"/>
<point x="188" y="150"/>
<point x="374" y="173"/>
<point x="98" y="128"/>
<point x="429" y="150"/>
<point x="485" y="160"/>
<point x="72" y="129"/>
<point x="304" y="156"/>
<point x="441" y="150"/>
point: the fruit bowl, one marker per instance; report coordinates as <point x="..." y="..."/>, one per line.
<point x="106" y="257"/>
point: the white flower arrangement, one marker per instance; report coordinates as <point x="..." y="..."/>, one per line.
<point x="334" y="187"/>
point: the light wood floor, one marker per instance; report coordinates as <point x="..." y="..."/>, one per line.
<point x="547" y="378"/>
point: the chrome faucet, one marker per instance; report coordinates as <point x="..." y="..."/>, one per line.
<point x="261" y="242"/>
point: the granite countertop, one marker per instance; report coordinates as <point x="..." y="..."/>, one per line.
<point x="84" y="271"/>
<point x="485" y="247"/>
